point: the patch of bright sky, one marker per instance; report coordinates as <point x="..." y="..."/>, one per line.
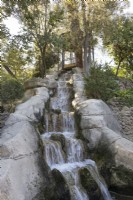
<point x="13" y="25"/>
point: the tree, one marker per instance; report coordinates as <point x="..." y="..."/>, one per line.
<point x="120" y="42"/>
<point x="39" y="21"/>
<point x="10" y="90"/>
<point x="83" y="23"/>
<point x="14" y="60"/>
<point x="88" y="19"/>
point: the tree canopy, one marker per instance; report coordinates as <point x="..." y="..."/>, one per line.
<point x="48" y="27"/>
<point x="119" y="42"/>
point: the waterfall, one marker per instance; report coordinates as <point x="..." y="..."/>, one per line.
<point x="54" y="120"/>
<point x="74" y="150"/>
<point x="76" y="190"/>
<point x="53" y="153"/>
<point x="66" y="153"/>
<point x="95" y="174"/>
<point x="68" y="121"/>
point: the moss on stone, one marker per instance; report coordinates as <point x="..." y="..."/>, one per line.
<point x="90" y="185"/>
<point x="56" y="111"/>
<point x="61" y="190"/>
<point x="122" y="179"/>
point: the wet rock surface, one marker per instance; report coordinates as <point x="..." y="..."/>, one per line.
<point x="90" y="185"/>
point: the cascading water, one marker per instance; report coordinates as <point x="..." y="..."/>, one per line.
<point x="52" y="149"/>
<point x="70" y="158"/>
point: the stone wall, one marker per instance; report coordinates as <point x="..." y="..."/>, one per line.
<point x="124" y="115"/>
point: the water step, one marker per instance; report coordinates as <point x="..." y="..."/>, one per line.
<point x="72" y="166"/>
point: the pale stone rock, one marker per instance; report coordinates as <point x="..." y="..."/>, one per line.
<point x="35" y="82"/>
<point x="124" y="155"/>
<point x="33" y="108"/>
<point x="21" y="169"/>
<point x="93" y="108"/>
<point x="89" y="122"/>
<point x="28" y="94"/>
<point x="14" y="118"/>
<point x="20" y="174"/>
<point x="52" y="83"/>
<point x="48" y="82"/>
<point x="93" y="136"/>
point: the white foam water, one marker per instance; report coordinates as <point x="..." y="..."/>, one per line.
<point x="75" y="150"/>
<point x="53" y="152"/>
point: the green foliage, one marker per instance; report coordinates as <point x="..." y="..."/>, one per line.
<point x="101" y="84"/>
<point x="10" y="91"/>
<point x="39" y="23"/>
<point x="51" y="59"/>
<point x="126" y="97"/>
<point x="119" y="42"/>
<point x="68" y="24"/>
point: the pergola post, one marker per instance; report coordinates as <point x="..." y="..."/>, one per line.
<point x="71" y="57"/>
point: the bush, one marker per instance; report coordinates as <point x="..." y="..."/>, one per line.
<point x="126" y="97"/>
<point x="101" y="83"/>
<point x="10" y="91"/>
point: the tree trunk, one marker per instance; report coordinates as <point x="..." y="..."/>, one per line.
<point x="117" y="70"/>
<point x="63" y="59"/>
<point x="86" y="69"/>
<point x="7" y="68"/>
<point x="43" y="67"/>
<point x="71" y="57"/>
<point x="89" y="54"/>
<point x="93" y="54"/>
<point x="43" y="63"/>
<point x="78" y="56"/>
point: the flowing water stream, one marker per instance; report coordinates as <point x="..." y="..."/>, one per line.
<point x="68" y="156"/>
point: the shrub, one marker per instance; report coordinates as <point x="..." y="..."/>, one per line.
<point x="126" y="97"/>
<point x="10" y="91"/>
<point x="101" y="83"/>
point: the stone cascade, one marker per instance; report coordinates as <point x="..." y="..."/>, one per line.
<point x="62" y="150"/>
